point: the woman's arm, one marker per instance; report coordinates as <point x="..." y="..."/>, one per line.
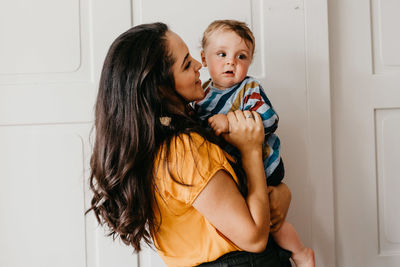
<point x="243" y="221"/>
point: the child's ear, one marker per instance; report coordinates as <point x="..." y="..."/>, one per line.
<point x="203" y="58"/>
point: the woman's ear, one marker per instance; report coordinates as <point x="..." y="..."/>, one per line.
<point x="203" y="58"/>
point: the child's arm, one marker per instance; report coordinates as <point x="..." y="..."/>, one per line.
<point x="219" y="123"/>
<point x="257" y="100"/>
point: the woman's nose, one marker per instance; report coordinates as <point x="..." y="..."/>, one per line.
<point x="197" y="65"/>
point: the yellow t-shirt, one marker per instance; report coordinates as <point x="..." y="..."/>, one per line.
<point x="185" y="237"/>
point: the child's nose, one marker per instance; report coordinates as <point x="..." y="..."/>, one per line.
<point x="230" y="61"/>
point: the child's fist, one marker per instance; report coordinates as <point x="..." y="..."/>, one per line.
<point x="219" y="123"/>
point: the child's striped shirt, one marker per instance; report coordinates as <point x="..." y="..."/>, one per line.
<point x="246" y="95"/>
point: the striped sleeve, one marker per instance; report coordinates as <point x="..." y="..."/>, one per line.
<point x="256" y="100"/>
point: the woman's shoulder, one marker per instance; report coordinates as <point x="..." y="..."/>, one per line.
<point x="189" y="160"/>
<point x="191" y="141"/>
<point x="188" y="149"/>
<point x="195" y="137"/>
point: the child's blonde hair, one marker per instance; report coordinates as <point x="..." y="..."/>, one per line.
<point x="238" y="27"/>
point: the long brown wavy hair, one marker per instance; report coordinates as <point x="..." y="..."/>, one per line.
<point x="136" y="89"/>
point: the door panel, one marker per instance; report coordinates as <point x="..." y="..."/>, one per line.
<point x="41" y="197"/>
<point x="51" y="55"/>
<point x="366" y="102"/>
<point x="26" y="48"/>
<point x="291" y="61"/>
<point x="387" y="123"/>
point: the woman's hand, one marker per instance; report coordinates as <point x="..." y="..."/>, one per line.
<point x="279" y="201"/>
<point x="246" y="131"/>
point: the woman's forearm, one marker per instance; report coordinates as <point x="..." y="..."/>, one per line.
<point x="257" y="198"/>
<point x="249" y="228"/>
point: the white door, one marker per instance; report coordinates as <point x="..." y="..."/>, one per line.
<point x="291" y="61"/>
<point x="51" y="53"/>
<point x="50" y="58"/>
<point x="365" y="66"/>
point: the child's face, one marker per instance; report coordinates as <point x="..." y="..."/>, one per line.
<point x="227" y="57"/>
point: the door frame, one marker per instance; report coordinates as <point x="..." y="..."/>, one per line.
<point x="320" y="135"/>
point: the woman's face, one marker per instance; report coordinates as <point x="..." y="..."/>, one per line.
<point x="185" y="69"/>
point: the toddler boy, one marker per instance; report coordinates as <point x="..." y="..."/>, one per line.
<point x="227" y="51"/>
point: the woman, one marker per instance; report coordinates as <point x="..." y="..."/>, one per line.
<point x="157" y="175"/>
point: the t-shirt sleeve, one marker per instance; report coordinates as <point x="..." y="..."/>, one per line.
<point x="256" y="100"/>
<point x="191" y="163"/>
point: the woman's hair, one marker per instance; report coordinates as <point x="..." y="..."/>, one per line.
<point x="238" y="27"/>
<point x="129" y="103"/>
<point x="136" y="90"/>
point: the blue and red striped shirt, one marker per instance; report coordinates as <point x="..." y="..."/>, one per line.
<point x="246" y="95"/>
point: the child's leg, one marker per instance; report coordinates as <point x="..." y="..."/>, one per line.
<point x="288" y="239"/>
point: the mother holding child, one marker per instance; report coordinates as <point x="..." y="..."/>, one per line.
<point x="159" y="176"/>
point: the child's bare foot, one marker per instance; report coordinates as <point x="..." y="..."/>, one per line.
<point x="305" y="258"/>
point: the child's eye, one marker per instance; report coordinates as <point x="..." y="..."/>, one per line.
<point x="188" y="65"/>
<point x="242" y="56"/>
<point x="221" y="54"/>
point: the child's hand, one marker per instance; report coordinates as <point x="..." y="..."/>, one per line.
<point x="219" y="123"/>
